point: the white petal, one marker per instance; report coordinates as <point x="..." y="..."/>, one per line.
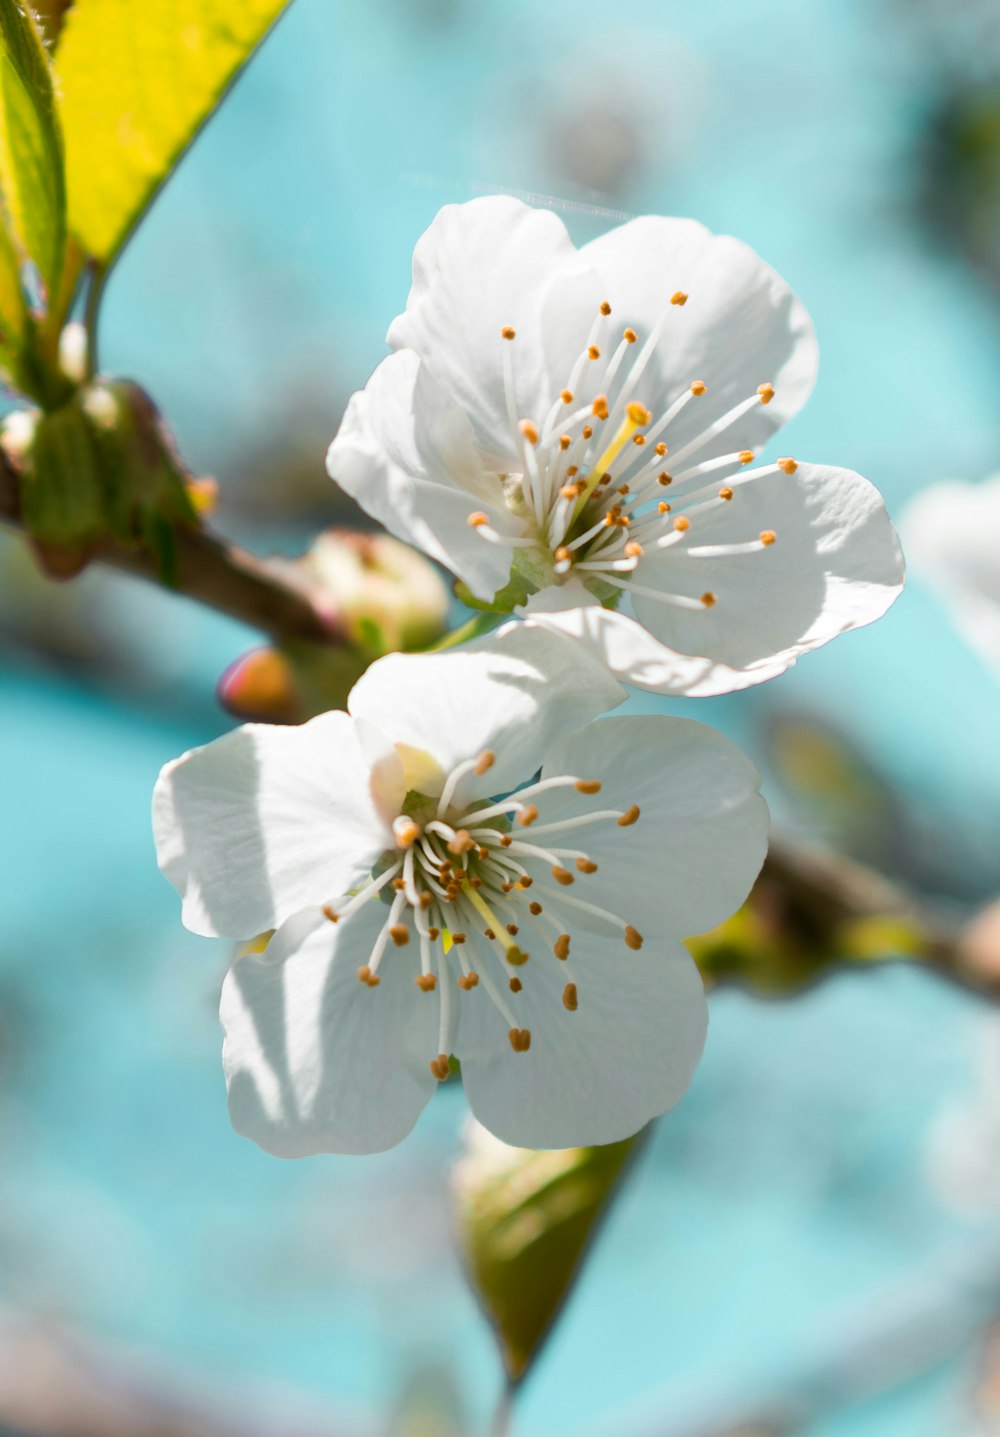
<point x="511" y="693"/>
<point x="596" y="1075"/>
<point x="266" y="821"/>
<point x="741" y="326"/>
<point x="405" y="453"/>
<point x="836" y="565"/>
<point x="617" y="641"/>
<point x="480" y="267"/>
<point x="317" y="1062"/>
<point x="692" y="856"/>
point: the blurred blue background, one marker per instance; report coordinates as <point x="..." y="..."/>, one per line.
<point x="807" y="1243"/>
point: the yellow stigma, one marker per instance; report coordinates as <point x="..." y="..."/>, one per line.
<point x="635" y="415"/>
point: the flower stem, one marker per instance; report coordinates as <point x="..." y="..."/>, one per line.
<point x="472" y="629"/>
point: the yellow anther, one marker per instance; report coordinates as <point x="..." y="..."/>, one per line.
<point x="587" y="785"/>
<point x="527" y="815"/>
<point x="565" y="441"/>
<point x="514" y="984"/>
<point x="664" y="478"/>
<point x="587" y="431"/>
<point x="569" y="998"/>
<point x="468" y="981"/>
<point x="440" y="1067"/>
<point x="766" y="392"/>
<point x="370" y="979"/>
<point x="663" y="507"/>
<point x="561" y="947"/>
<point x="661" y="449"/>
<point x="630" y="336"/>
<point x="639" y="439"/>
<point x="767" y="536"/>
<point x="516" y="955"/>
<point x="400" y="934"/>
<point x="726" y="493"/>
<point x="485" y="762"/>
<point x="505" y="840"/>
<point x="426" y="982"/>
<point x="629" y="817"/>
<point x="633" y="549"/>
<point x="563" y="876"/>
<point x="681" y="524"/>
<point x="406" y="831"/>
<point x="605" y="308"/>
<point x="529" y="431"/>
<point x="520" y="1039"/>
<point x="708" y="599"/>
<point x="566" y="395"/>
<point x="478" y="519"/>
<point x="746" y="456"/>
<point x="331" y="913"/>
<point x="569" y="491"/>
<point x="508" y="333"/>
<point x="678" y="297"/>
<point x="638" y="413"/>
<point x="586" y="865"/>
<point x="789" y="465"/>
<point x="632" y="938"/>
<point x="562" y="555"/>
<point x="600" y="406"/>
<point x="593" y="351"/>
<point x="698" y="388"/>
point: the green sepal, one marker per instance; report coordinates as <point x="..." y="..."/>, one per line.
<point x="515" y="592"/>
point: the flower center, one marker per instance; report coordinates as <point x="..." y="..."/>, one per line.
<point x="594" y="481"/>
<point x="459" y="887"/>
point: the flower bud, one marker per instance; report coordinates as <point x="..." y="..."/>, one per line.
<point x="386" y="596"/>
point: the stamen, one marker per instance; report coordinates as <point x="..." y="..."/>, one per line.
<point x="570" y="1002"/>
<point x="766" y="392"/>
<point x="369" y="891"/>
<point x="405" y="830"/>
<point x="678" y="297"/>
<point x="520" y="1039"/>
<point x="508" y="333"/>
<point x="788" y="465"/>
<point x="629" y="816"/>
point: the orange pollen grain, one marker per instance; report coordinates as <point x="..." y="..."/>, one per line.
<point x="534" y="907"/>
<point x="331" y="913"/>
<point x="664" y="478"/>
<point x="633" y="549"/>
<point x="469" y="981"/>
<point x="661" y="449"/>
<point x="565" y="441"/>
<point x="587" y="431"/>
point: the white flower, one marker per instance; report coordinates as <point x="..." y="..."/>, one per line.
<point x="952" y="535"/>
<point x="588" y="421"/>
<point x="529" y="926"/>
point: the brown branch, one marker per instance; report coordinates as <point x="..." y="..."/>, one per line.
<point x="264" y="593"/>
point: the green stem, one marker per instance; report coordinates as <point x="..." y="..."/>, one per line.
<point x="471" y="629"/>
<point x="98" y="273"/>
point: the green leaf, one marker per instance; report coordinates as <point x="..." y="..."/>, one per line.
<point x="138" y="79"/>
<point x="13" y="315"/>
<point x="525" y="1220"/>
<point x="32" y="180"/>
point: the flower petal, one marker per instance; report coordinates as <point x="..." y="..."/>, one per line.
<point x="266" y="821"/>
<point x="595" y="1075"/>
<point x="701" y="836"/>
<point x="741" y="326"/>
<point x="511" y="693"/>
<point x="405" y="452"/>
<point x="835" y="565"/>
<point x="480" y="267"/>
<point x="315" y="1061"/>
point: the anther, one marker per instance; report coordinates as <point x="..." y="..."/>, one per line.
<point x="789" y="465"/>
<point x="708" y="598"/>
<point x="440" y="1067"/>
<point x="633" y="549"/>
<point x="458" y="939"/>
<point x="632" y="938"/>
<point x="508" y="333"/>
<point x="400" y="934"/>
<point x="570" y="491"/>
<point x="681" y="524"/>
<point x="661" y="449"/>
<point x="520" y="1039"/>
<point x="630" y="336"/>
<point x="698" y="388"/>
<point x="506" y="887"/>
<point x="469" y="981"/>
<point x="593" y="352"/>
<point x="399" y="884"/>
<point x="484" y="762"/>
<point x="638" y="413"/>
<point x="562" y="555"/>
<point x="587" y="785"/>
<point x="569" y="998"/>
<point x="678" y="297"/>
<point x="406" y="831"/>
<point x="561" y="947"/>
<point x="478" y="519"/>
<point x="527" y="815"/>
<point x="426" y="899"/>
<point x="566" y="395"/>
<point x="426" y="982"/>
<point x="605" y="308"/>
<point x="489" y="934"/>
<point x="586" y="865"/>
<point x="600" y="407"/>
<point x="726" y="493"/>
<point x="370" y="979"/>
<point x="629" y="817"/>
<point x="434" y="934"/>
<point x="505" y="840"/>
<point x="663" y="507"/>
<point x="512" y="929"/>
<point x="587" y="431"/>
<point x="515" y="985"/>
<point x="563" y="876"/>
<point x="664" y="478"/>
<point x="573" y="469"/>
<point x="516" y="956"/>
<point x="462" y="842"/>
<point x="639" y="439"/>
<point x="746" y="456"/>
<point x="766" y="392"/>
<point x="331" y="913"/>
<point x="565" y="440"/>
<point x="767" y="536"/>
<point x="529" y="431"/>
<point x="534" y="907"/>
<point x="524" y="881"/>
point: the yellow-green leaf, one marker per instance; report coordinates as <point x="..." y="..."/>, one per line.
<point x="138" y="80"/>
<point x="524" y="1221"/>
<point x="32" y="181"/>
<point x="13" y="316"/>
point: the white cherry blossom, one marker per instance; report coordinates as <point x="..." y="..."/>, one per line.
<point x="952" y="536"/>
<point x="580" y="430"/>
<point x="462" y="864"/>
